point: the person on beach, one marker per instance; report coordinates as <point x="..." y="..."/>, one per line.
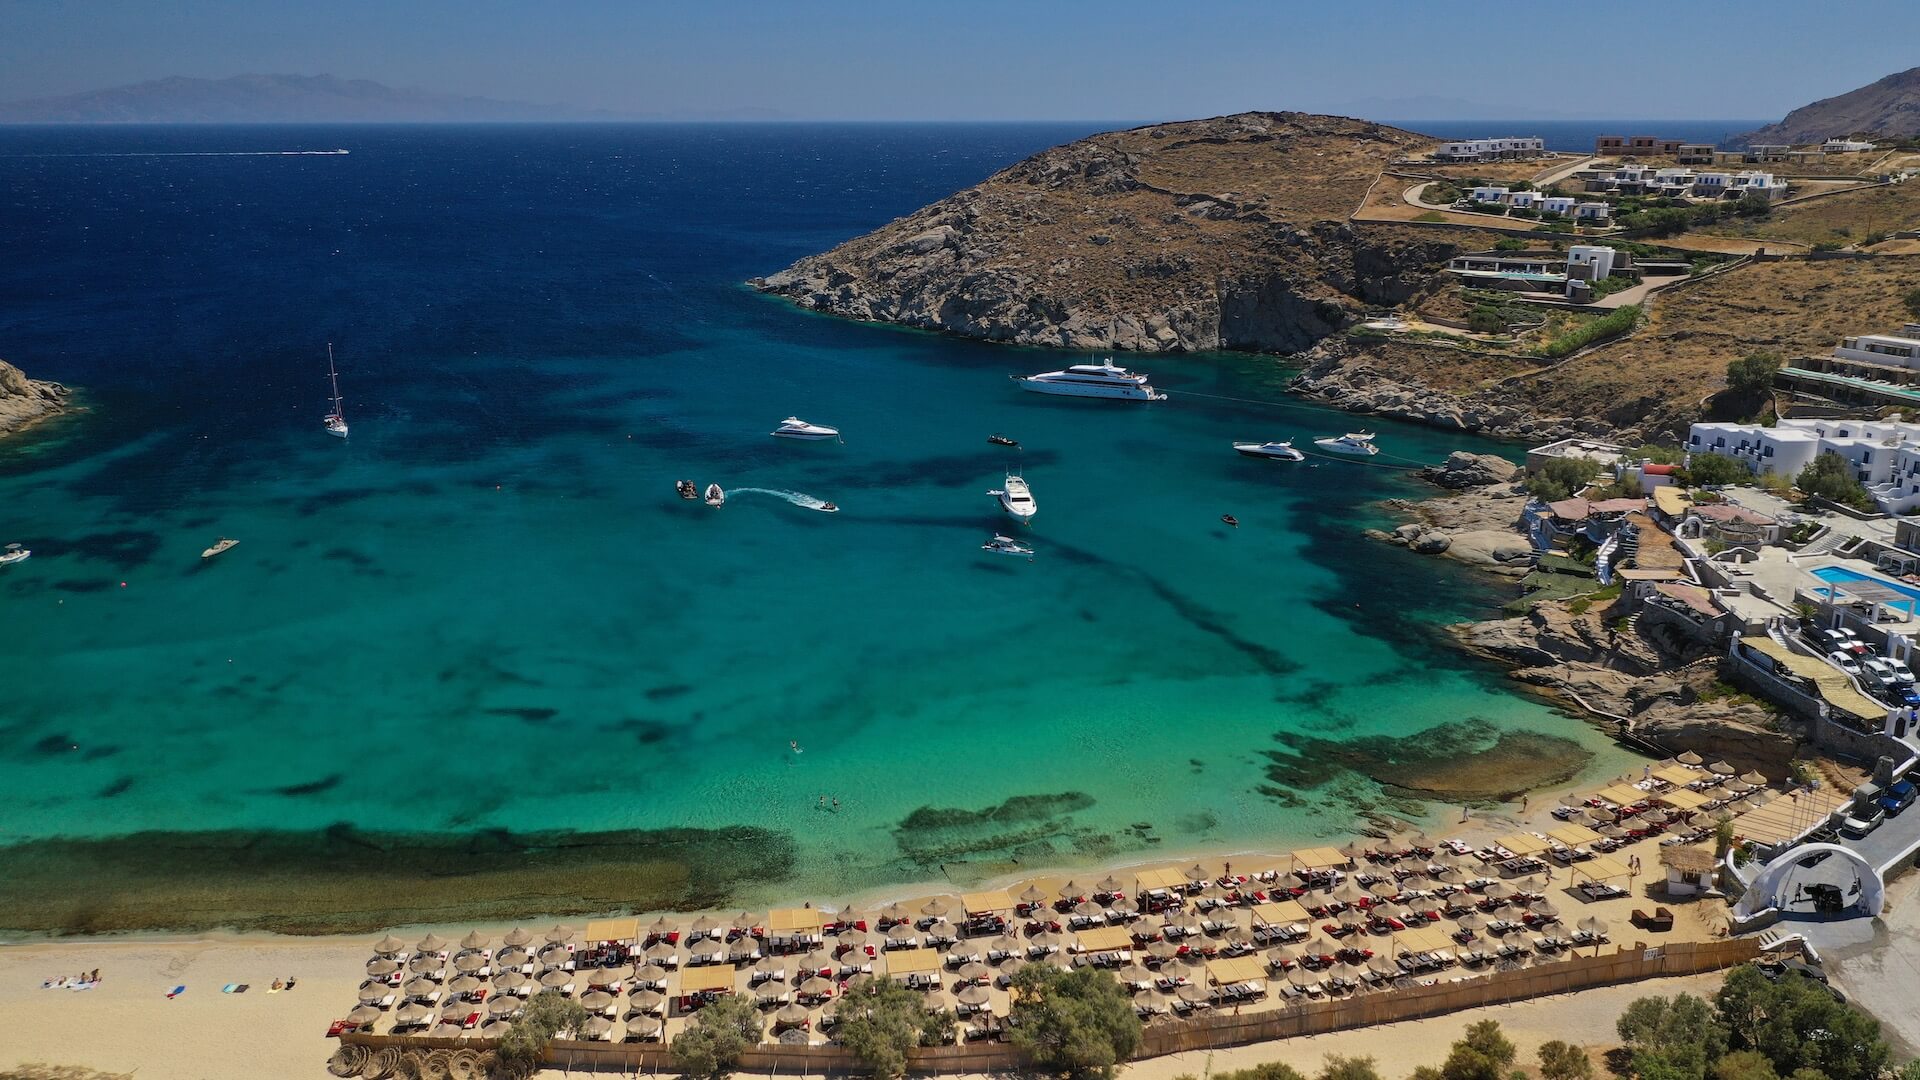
<point x="1463" y="815"/>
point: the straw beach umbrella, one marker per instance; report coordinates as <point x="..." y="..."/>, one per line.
<point x="1382" y="964"/>
<point x="473" y="940"/>
<point x="513" y="956"/>
<point x="556" y="978"/>
<point x="1498" y="889"/>
<point x="894" y="913"/>
<point x="1088" y="909"/>
<point x="1472" y="920"/>
<point x="1197" y="873"/>
<point x="1689" y="758"/>
<point x="465" y="984"/>
<point x="935" y="907"/>
<point x="645" y="1027"/>
<point x="560" y="934"/>
<point x="652" y="973"/>
<point x="469" y="963"/>
<point x="424" y="963"/>
<point x="431" y="943"/>
<point x="743" y="921"/>
<point x="790" y="1014"/>
<point x="501" y="1006"/>
<point x="362" y="1015"/>
<point x="516" y="937"/>
<point x="973" y="994"/>
<point x="645" y="1001"/>
<point x="702" y="926"/>
<point x="598" y="1026"/>
<point x="1032" y="895"/>
<point x="660" y="950"/>
<point x="1593" y="924"/>
<point x="1192" y="993"/>
<point x="660" y="927"/>
<point x="1721" y="768"/>
<point x="508" y="981"/>
<point x="1754" y="778"/>
<point x="1348" y="891"/>
<point x="381" y="965"/>
<point x="373" y="992"/>
<point x="1108" y="886"/>
<point x="412" y="1013"/>
<point x="388" y="945"/>
<point x="974" y="970"/>
<point x="1545" y="909"/>
<point x="555" y="954"/>
<point x="595" y="1000"/>
<point x="771" y="966"/>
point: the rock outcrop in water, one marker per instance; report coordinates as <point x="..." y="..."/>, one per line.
<point x="1229" y="233"/>
<point x="25" y="401"/>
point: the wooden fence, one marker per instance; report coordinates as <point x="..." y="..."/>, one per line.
<point x="1210" y="1032"/>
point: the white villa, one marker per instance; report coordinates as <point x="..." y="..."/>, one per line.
<point x="1683" y="182"/>
<point x="1883" y="454"/>
<point x="1846" y="146"/>
<point x="1892" y="350"/>
<point x="1507" y="149"/>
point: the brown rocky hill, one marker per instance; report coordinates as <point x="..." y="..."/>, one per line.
<point x="1890" y="107"/>
<point x="1228" y="233"/>
<point x="23" y="400"/>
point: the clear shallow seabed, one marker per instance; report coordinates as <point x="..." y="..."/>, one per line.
<point x="489" y="610"/>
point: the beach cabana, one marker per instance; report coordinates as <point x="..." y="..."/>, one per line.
<point x="1235" y="969"/>
<point x="1105" y="939"/>
<point x="912" y="961"/>
<point x="621" y="930"/>
<point x="1164" y="879"/>
<point x="1320" y="858"/>
<point x="1422" y="939"/>
<point x="710" y="979"/>
<point x="1677" y="775"/>
<point x="1279" y="913"/>
<point x="1573" y="835"/>
<point x="1601" y="868"/>
<point x="786" y="923"/>
<point x="1523" y="844"/>
<point x="1683" y="799"/>
<point x="983" y="903"/>
<point x="1623" y="795"/>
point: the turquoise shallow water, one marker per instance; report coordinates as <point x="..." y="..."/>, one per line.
<point x="488" y="609"/>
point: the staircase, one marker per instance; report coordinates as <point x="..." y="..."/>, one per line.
<point x="1603" y="560"/>
<point x="1824" y="544"/>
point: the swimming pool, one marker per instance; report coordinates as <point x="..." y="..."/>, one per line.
<point x="1841" y="576"/>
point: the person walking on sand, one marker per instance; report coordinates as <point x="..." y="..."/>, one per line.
<point x="1463" y="815"/>
<point x="1523" y="802"/>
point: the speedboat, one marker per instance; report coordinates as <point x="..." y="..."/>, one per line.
<point x="14" y="553"/>
<point x="827" y="508"/>
<point x="1231" y="521"/>
<point x="219" y="546"/>
<point x="687" y="489"/>
<point x="795" y="428"/>
<point x="1281" y="451"/>
<point x="1007" y="545"/>
<point x="1353" y="442"/>
<point x="715" y="497"/>
<point x="1102" y="380"/>
<point x="1001" y="440"/>
<point x="1016" y="497"/>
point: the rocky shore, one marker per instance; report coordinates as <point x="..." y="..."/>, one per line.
<point x="1662" y="687"/>
<point x="24" y="401"/>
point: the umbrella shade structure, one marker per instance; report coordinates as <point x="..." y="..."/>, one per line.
<point x="474" y="940"/>
<point x="1498" y="889"/>
<point x="894" y="913"/>
<point x="817" y="987"/>
<point x="1545" y="908"/>
<point x="1197" y="873"/>
<point x="1089" y="909"/>
<point x="1182" y="919"/>
<point x="1134" y="973"/>
<point x="652" y="973"/>
<point x="1593" y="924"/>
<point x="1070" y="890"/>
<point x="645" y="1000"/>
<point x="1754" y="778"/>
<point x="974" y="994"/>
<point x="469" y="962"/>
<point x="1162" y="950"/>
<point x="612" y="973"/>
<point x="1011" y="965"/>
<point x="1721" y="768"/>
<point x="1032" y="895"/>
<point x="516" y="937"/>
<point x="645" y="1027"/>
<point x="935" y="907"/>
<point x="501" y="1006"/>
<point x="373" y="992"/>
<point x="703" y="926"/>
<point x="1348" y="891"/>
<point x="465" y="984"/>
<point x="1612" y="831"/>
<point x="412" y="1013"/>
<point x="1385" y="887"/>
<point x="1353" y="917"/>
<point x="596" y="1000"/>
<point x="422" y="964"/>
<point x="493" y="1029"/>
<point x="513" y="956"/>
<point x="1600" y="815"/>
<point x="388" y="945"/>
<point x="560" y="934"/>
<point x="901" y="932"/>
<point x="381" y="965"/>
<point x="1193" y="993"/>
<point x="598" y="1026"/>
<point x="974" y="969"/>
<point x="742" y="949"/>
<point x="661" y="951"/>
<point x="790" y="1014"/>
<point x="661" y="927"/>
<point x="1283" y="954"/>
<point x="555" y="979"/>
<point x="431" y="943"/>
<point x="1690" y="758"/>
<point x="1472" y="920"/>
<point x="555" y="954"/>
<point x="743" y="921"/>
<point x="363" y="1015"/>
<point x="1391" y="911"/>
<point x="1535" y="883"/>
<point x="771" y="966"/>
<point x="942" y="928"/>
<point x="1382" y="964"/>
<point x="1302" y="977"/>
<point x="1452" y="875"/>
<point x="1108" y="885"/>
<point x="510" y="980"/>
<point x="853" y="939"/>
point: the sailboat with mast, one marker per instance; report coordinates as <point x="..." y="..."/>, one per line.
<point x="336" y="420"/>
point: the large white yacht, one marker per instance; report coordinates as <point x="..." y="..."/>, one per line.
<point x="1353" y="442"/>
<point x="1092" y="380"/>
<point x="1282" y="450"/>
<point x="795" y="428"/>
<point x="1016" y="498"/>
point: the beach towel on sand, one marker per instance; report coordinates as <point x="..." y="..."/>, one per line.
<point x="176" y="991"/>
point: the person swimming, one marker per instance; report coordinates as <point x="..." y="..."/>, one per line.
<point x="794" y="745"/>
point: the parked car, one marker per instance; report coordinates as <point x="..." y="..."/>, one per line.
<point x="1904" y="790"/>
<point x="1844" y="661"/>
<point x="1900" y="670"/>
<point x="1775" y="970"/>
<point x="1862" y="820"/>
<point x="1850" y="641"/>
<point x="1879" y="675"/>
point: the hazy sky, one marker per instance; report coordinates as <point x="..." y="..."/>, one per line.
<point x="995" y="59"/>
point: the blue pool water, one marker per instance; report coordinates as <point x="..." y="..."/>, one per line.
<point x="1840" y="575"/>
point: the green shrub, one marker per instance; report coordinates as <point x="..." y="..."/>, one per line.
<point x="1564" y="1061"/>
<point x="1829" y="476"/>
<point x="1486" y="320"/>
<point x="1561" y="477"/>
<point x="1715" y="470"/>
<point x="1752" y="375"/>
<point x="524" y="1044"/>
<point x="1510" y="243"/>
<point x="1612" y="324"/>
<point x="1079" y="1023"/>
<point x="881" y="1020"/>
<point x="724" y="1029"/>
<point x="1431" y="215"/>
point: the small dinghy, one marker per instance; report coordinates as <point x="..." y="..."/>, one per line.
<point x="715" y="496"/>
<point x="687" y="489"/>
<point x="14" y="553"/>
<point x="1278" y="451"/>
<point x="220" y="545"/>
<point x="1001" y="440"/>
<point x="1007" y="545"/>
<point x="1230" y="520"/>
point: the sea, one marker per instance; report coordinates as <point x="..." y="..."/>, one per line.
<point x="488" y="613"/>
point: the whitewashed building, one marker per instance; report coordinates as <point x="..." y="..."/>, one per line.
<point x="1884" y="455"/>
<point x="1846" y="146"/>
<point x="1557" y="204"/>
<point x="1593" y="212"/>
<point x="1893" y="350"/>
<point x="1505" y="149"/>
<point x="1488" y="193"/>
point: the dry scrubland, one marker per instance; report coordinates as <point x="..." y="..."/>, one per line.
<point x="1841" y="219"/>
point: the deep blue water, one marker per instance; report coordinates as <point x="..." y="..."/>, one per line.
<point x="488" y="609"/>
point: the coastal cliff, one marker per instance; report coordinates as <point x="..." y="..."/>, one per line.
<point x="1228" y="233"/>
<point x="25" y="401"/>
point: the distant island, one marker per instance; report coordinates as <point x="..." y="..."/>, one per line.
<point x="261" y="99"/>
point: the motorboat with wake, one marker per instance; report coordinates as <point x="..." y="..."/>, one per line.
<point x="220" y="545"/>
<point x="1276" y="451"/>
<point x="1230" y="520"/>
<point x="14" y="553"/>
<point x="998" y="439"/>
<point x="1359" y="443"/>
<point x="1102" y="380"/>
<point x="715" y="496"/>
<point x="827" y="508"/>
<point x="335" y="420"/>
<point x="795" y="428"/>
<point x="1007" y="545"/>
<point x="687" y="489"/>
<point x="1016" y="497"/>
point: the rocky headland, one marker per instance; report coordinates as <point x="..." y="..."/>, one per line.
<point x="25" y="401"/>
<point x="1660" y="685"/>
<point x="1228" y="233"/>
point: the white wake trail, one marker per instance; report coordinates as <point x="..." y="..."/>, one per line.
<point x="797" y="498"/>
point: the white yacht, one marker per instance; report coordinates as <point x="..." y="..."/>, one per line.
<point x="14" y="553"/>
<point x="1353" y="442"/>
<point x="1016" y="498"/>
<point x="1092" y="380"/>
<point x="715" y="496"/>
<point x="1007" y="545"/>
<point x="336" y="420"/>
<point x="795" y="428"/>
<point x="1282" y="450"/>
<point x="220" y="545"/>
